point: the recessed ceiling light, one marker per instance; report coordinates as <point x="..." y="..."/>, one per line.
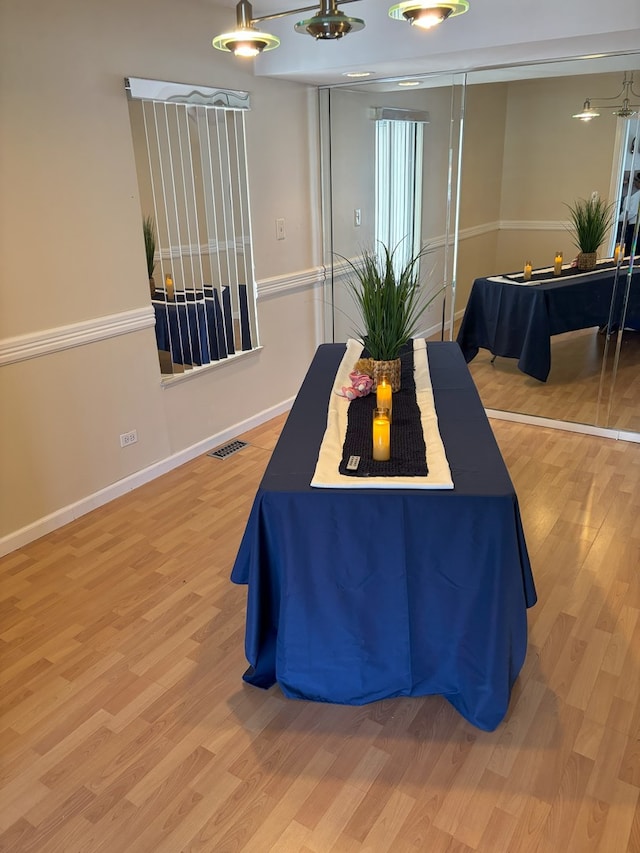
<point x="357" y="73"/>
<point x="408" y="82"/>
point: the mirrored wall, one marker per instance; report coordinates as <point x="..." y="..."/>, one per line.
<point x="501" y="160"/>
<point x="391" y="156"/>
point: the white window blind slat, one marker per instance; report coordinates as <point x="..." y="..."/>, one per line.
<point x="398" y="187"/>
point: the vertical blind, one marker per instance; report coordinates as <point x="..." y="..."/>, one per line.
<point x="398" y="186"/>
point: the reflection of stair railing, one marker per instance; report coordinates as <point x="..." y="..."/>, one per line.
<point x="192" y="173"/>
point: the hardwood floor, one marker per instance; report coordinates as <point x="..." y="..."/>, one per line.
<point x="571" y="392"/>
<point x="126" y="725"/>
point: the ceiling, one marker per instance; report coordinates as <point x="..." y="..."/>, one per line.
<point x="489" y="36"/>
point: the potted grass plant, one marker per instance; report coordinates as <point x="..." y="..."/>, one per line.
<point x="149" y="231"/>
<point x="590" y="220"/>
<point x="391" y="302"/>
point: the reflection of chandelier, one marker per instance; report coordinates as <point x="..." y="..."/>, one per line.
<point x="622" y="110"/>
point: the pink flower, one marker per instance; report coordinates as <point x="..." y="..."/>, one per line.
<point x="361" y="385"/>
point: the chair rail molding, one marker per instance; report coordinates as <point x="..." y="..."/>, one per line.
<point x="510" y="225"/>
<point x="478" y="230"/>
<point x="288" y="282"/>
<point x="47" y="341"/>
<point x="533" y="225"/>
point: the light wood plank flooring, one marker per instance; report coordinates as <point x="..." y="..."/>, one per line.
<point x="572" y="390"/>
<point x="126" y="725"/>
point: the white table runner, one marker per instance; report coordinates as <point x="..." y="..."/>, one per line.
<point x="511" y="278"/>
<point x="327" y="475"/>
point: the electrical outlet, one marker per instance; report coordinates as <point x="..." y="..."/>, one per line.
<point x="128" y="438"/>
<point x="357" y="217"/>
<point x="280" y="233"/>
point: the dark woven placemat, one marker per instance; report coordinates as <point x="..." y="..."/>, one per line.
<point x="408" y="450"/>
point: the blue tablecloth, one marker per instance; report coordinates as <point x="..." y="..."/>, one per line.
<point x="356" y="595"/>
<point x="196" y="328"/>
<point x="518" y="321"/>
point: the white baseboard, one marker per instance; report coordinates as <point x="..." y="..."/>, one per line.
<point x="63" y="516"/>
<point x="54" y="521"/>
<point x="567" y="426"/>
<point x="436" y="328"/>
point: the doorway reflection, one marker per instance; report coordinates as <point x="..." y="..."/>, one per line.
<point x="393" y="179"/>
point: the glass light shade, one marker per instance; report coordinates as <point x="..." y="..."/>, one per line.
<point x="586" y="115"/>
<point x="246" y="41"/>
<point x="425" y="14"/>
<point x="587" y="112"/>
<point x="428" y="18"/>
<point x="329" y="26"/>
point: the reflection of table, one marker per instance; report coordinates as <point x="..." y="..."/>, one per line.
<point x="356" y="595"/>
<point x="517" y="321"/>
<point x="196" y="327"/>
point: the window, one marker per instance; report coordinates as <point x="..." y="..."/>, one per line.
<point x="398" y="198"/>
<point x="190" y="151"/>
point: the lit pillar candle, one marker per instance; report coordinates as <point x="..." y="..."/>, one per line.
<point x="168" y="283"/>
<point x="557" y="264"/>
<point x="527" y="271"/>
<point x="381" y="435"/>
<point x="384" y="395"/>
<point x="616" y="252"/>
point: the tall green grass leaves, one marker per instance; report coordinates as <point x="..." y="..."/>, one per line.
<point x="148" y="229"/>
<point x="590" y="221"/>
<point x="391" y="302"/>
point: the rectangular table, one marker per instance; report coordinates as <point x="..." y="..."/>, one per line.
<point x="517" y="321"/>
<point x="356" y="595"/>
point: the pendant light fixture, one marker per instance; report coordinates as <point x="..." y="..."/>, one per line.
<point x="623" y="109"/>
<point x="328" y="22"/>
<point x="245" y="40"/>
<point x="426" y="15"/>
<point x="587" y="112"/>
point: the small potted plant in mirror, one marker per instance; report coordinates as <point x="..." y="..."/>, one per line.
<point x="149" y="232"/>
<point x="590" y="220"/>
<point x="391" y="301"/>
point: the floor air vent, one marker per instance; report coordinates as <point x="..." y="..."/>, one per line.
<point x="228" y="449"/>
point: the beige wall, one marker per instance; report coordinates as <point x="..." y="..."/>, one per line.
<point x="72" y="250"/>
<point x="481" y="184"/>
<point x="551" y="158"/>
<point x="525" y="158"/>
